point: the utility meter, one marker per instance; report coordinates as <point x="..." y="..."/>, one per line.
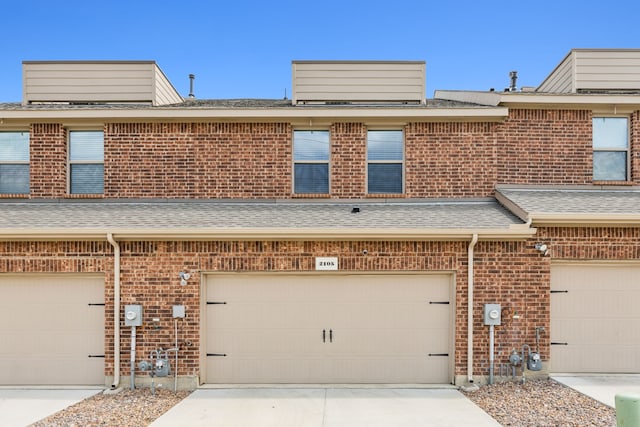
<point x="133" y="315"/>
<point x="492" y="314"/>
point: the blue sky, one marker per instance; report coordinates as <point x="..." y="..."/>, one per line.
<point x="243" y="49"/>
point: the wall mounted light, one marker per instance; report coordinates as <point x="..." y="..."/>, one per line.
<point x="184" y="276"/>
<point x="542" y="248"/>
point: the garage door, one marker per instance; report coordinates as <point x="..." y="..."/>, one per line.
<point x="328" y="329"/>
<point x="51" y="330"/>
<point x="595" y="319"/>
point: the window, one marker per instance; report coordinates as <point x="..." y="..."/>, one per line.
<point x="311" y="162"/>
<point x="14" y="162"/>
<point x="610" y="149"/>
<point x="385" y="154"/>
<point x="86" y="162"/>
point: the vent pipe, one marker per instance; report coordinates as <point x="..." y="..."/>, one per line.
<point x="192" y="77"/>
<point x="513" y="75"/>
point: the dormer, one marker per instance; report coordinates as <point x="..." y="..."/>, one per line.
<point x="96" y="82"/>
<point x="595" y="71"/>
<point x="358" y="82"/>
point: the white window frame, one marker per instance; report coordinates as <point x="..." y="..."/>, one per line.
<point x="317" y="162"/>
<point x="20" y="162"/>
<point x="626" y="150"/>
<point x="401" y="162"/>
<point x="82" y="162"/>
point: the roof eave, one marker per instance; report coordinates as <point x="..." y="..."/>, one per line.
<point x="160" y="113"/>
<point x="585" y="220"/>
<point x="515" y="232"/>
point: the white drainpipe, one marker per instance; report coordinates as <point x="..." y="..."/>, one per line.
<point x="116" y="311"/>
<point x="472" y="245"/>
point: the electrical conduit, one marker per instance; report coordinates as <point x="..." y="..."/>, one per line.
<point x="116" y="311"/>
<point x="472" y="245"/>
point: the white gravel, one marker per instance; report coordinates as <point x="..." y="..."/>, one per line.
<point x="538" y="403"/>
<point x="541" y="403"/>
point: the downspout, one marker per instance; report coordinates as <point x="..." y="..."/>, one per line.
<point x="472" y="245"/>
<point x="116" y="311"/>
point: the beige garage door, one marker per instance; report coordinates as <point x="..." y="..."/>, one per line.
<point x="595" y="318"/>
<point x="328" y="328"/>
<point x="50" y="326"/>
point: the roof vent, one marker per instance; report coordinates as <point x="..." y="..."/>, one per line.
<point x="513" y="75"/>
<point x="355" y="209"/>
<point x="192" y="77"/>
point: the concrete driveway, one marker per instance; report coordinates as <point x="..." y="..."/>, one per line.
<point x="21" y="407"/>
<point x="285" y="407"/>
<point x="601" y="387"/>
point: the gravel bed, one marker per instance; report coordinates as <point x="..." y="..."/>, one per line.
<point x="129" y="408"/>
<point x="536" y="403"/>
<point x="541" y="403"/>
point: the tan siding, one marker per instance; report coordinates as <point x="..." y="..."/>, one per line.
<point x="358" y="81"/>
<point x="608" y="69"/>
<point x="95" y="82"/>
<point x="561" y="79"/>
<point x="165" y="92"/>
<point x="595" y="69"/>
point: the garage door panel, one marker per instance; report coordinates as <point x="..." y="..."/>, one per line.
<point x="377" y="328"/>
<point x="48" y="330"/>
<point x="597" y="317"/>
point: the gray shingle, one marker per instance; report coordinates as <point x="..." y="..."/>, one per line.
<point x="78" y="215"/>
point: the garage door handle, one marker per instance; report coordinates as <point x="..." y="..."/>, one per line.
<point x="324" y="339"/>
<point x="96" y="355"/>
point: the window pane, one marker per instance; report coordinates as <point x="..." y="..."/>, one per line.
<point x="384" y="178"/>
<point x="311" y="145"/>
<point x="87" y="179"/>
<point x="610" y="165"/>
<point x="384" y="145"/>
<point x="610" y="132"/>
<point x="311" y="178"/>
<point x="86" y="145"/>
<point x="14" y="146"/>
<point x="14" y="179"/>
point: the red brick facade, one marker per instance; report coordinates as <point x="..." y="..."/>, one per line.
<point x="254" y="161"/>
<point x="511" y="272"/>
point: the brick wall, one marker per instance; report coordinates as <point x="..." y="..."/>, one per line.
<point x="635" y="147"/>
<point x="348" y="160"/>
<point x="48" y="166"/>
<point x="513" y="274"/>
<point x="198" y="160"/>
<point x="450" y="159"/>
<point x="254" y="160"/>
<point x="545" y="147"/>
<point x="150" y="277"/>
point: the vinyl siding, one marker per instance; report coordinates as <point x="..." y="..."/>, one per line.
<point x="358" y="81"/>
<point x="99" y="81"/>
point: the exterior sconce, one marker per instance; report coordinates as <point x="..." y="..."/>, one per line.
<point x="184" y="277"/>
<point x="542" y="248"/>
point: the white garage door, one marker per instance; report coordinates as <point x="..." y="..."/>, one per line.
<point x="51" y="330"/>
<point x="595" y="318"/>
<point x="329" y="328"/>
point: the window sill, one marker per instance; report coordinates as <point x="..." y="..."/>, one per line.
<point x="14" y="196"/>
<point x="387" y="196"/>
<point x="311" y="196"/>
<point x="610" y="183"/>
<point x="84" y="196"/>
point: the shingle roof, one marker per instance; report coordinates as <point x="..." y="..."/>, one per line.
<point x="573" y="204"/>
<point x="285" y="217"/>
<point x="249" y="103"/>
